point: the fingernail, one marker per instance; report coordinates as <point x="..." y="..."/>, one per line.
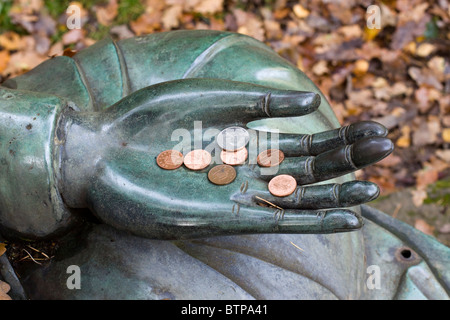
<point x="370" y="150"/>
<point x="342" y="221"/>
<point x="365" y="129"/>
<point x="358" y="192"/>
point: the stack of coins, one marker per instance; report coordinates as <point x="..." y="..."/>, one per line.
<point x="232" y="141"/>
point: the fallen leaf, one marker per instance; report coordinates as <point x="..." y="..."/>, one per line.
<point x="361" y="67"/>
<point x="69" y="52"/>
<point x="73" y="36"/>
<point x="423" y="226"/>
<point x="425" y="49"/>
<point x="370" y="34"/>
<point x="4" y="289"/>
<point x="171" y="17"/>
<point x="300" y="11"/>
<point x="386" y="184"/>
<point x="249" y="24"/>
<point x="444" y="155"/>
<point x="320" y="68"/>
<point x="424" y="77"/>
<point x="390" y="161"/>
<point x="446" y="134"/>
<point x="350" y="32"/>
<point x="147" y="22"/>
<point x="445" y="228"/>
<point x="426" y="177"/>
<point x="437" y="66"/>
<point x="208" y="6"/>
<point x="405" y="139"/>
<point x="10" y="41"/>
<point x="106" y="14"/>
<point x="2" y="248"/>
<point x="4" y="59"/>
<point x="418" y="196"/>
<point x="122" y="32"/>
<point x="23" y="61"/>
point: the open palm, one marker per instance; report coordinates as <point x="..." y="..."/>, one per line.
<point x="109" y="163"/>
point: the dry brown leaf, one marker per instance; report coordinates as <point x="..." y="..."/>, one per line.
<point x="405" y="139"/>
<point x="446" y="134"/>
<point x="445" y="228"/>
<point x="320" y="68"/>
<point x="69" y="52"/>
<point x="437" y="66"/>
<point x="23" y="61"/>
<point x="4" y="289"/>
<point x="386" y="184"/>
<point x="4" y="59"/>
<point x="2" y="248"/>
<point x="361" y="67"/>
<point x="171" y="17"/>
<point x="444" y="155"/>
<point x="418" y="196"/>
<point x="362" y="98"/>
<point x="209" y="6"/>
<point x="425" y="49"/>
<point x="73" y="36"/>
<point x="300" y="11"/>
<point x="350" y="32"/>
<point x="424" y="77"/>
<point x="390" y="161"/>
<point x="423" y="226"/>
<point x="106" y="14"/>
<point x="10" y="41"/>
<point x="147" y="22"/>
<point x="249" y="24"/>
<point x="426" y="177"/>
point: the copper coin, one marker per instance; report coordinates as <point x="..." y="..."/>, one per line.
<point x="270" y="158"/>
<point x="282" y="185"/>
<point x="197" y="159"/>
<point x="234" y="158"/>
<point x="170" y="159"/>
<point x="222" y="174"/>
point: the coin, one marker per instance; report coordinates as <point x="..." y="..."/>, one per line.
<point x="233" y="138"/>
<point x="222" y="174"/>
<point x="197" y="159"/>
<point x="282" y="185"/>
<point x="234" y="158"/>
<point x="270" y="158"/>
<point x="170" y="159"/>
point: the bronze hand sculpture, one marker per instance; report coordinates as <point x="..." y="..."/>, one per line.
<point x="108" y="164"/>
<point x="84" y="132"/>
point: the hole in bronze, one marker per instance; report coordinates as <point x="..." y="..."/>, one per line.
<point x="406" y="254"/>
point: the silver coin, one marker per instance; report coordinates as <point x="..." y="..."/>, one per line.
<point x="233" y="138"/>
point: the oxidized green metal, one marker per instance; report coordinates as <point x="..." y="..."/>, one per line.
<point x="83" y="132"/>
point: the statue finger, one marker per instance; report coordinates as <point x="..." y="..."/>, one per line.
<point x="333" y="163"/>
<point x="333" y="195"/>
<point x="294" y="145"/>
<point x="274" y="220"/>
<point x="214" y="101"/>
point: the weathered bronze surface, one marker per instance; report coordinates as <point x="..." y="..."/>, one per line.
<point x="83" y="133"/>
